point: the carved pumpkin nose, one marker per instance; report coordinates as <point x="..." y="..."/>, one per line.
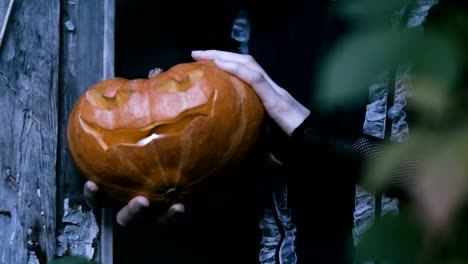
<point x="160" y="137"/>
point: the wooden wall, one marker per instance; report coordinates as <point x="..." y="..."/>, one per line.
<point x="52" y="51"/>
<point x="86" y="57"/>
<point x="29" y="60"/>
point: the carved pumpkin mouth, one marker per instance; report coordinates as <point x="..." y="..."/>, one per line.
<point x="140" y="137"/>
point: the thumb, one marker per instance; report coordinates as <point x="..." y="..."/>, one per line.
<point x="132" y="210"/>
<point x="174" y="210"/>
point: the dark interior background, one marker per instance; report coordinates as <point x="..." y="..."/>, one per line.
<point x="222" y="228"/>
<point x="154" y="33"/>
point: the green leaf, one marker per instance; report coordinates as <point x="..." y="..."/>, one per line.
<point x="436" y="56"/>
<point x="370" y="10"/>
<point x="430" y="103"/>
<point x="457" y="245"/>
<point x="361" y="59"/>
<point x="356" y="62"/>
<point x="72" y="260"/>
<point x="378" y="174"/>
<point x="395" y="239"/>
<point x="441" y="149"/>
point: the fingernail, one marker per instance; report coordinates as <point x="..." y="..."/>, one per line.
<point x="176" y="209"/>
<point x="91" y="187"/>
<point x="196" y="52"/>
<point x="142" y="202"/>
<point x="119" y="221"/>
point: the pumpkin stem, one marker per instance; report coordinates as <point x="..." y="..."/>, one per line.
<point x="154" y="72"/>
<point x="172" y="193"/>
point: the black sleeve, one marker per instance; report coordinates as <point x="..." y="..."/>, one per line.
<point x="360" y="148"/>
<point x="310" y="138"/>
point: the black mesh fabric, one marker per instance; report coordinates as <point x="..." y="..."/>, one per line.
<point x="362" y="149"/>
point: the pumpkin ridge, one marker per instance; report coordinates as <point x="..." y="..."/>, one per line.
<point x="163" y="172"/>
<point x="183" y="158"/>
<point x="236" y="138"/>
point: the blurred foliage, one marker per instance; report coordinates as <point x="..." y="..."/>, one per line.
<point x="362" y="56"/>
<point x="396" y="239"/>
<point x="72" y="260"/>
<point x="401" y="239"/>
<point x="433" y="228"/>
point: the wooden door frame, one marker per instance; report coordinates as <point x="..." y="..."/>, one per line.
<point x="86" y="57"/>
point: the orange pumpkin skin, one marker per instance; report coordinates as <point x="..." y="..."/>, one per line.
<point x="199" y="121"/>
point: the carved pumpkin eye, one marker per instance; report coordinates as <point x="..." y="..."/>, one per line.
<point x="180" y="83"/>
<point x="171" y="131"/>
<point x="109" y="98"/>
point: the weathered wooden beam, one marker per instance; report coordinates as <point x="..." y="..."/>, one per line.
<point x="107" y="215"/>
<point x="86" y="57"/>
<point x="29" y="59"/>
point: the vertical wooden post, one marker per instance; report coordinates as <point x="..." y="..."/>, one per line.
<point x="107" y="216"/>
<point x="87" y="57"/>
<point x="29" y="58"/>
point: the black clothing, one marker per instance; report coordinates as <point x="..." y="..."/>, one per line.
<point x="322" y="160"/>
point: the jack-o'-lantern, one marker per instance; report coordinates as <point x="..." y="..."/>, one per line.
<point x="162" y="136"/>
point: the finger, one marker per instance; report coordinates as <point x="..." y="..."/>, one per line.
<point x="248" y="74"/>
<point x="223" y="55"/>
<point x="257" y="79"/>
<point x="241" y="65"/>
<point x="246" y="68"/>
<point x="90" y="192"/>
<point x="174" y="210"/>
<point x="131" y="211"/>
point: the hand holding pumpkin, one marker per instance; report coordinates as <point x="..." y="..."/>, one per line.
<point x="286" y="111"/>
<point x="130" y="211"/>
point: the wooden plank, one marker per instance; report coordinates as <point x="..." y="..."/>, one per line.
<point x="107" y="214"/>
<point x="28" y="138"/>
<point x="86" y="58"/>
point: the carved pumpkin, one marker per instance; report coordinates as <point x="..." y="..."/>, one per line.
<point x="161" y="137"/>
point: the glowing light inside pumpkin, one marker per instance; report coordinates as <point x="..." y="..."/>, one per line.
<point x="148" y="139"/>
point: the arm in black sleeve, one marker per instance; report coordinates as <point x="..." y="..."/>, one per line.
<point x="363" y="149"/>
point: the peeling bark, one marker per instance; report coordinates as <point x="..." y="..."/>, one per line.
<point x="79" y="233"/>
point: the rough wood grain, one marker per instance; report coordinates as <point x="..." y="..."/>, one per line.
<point x="107" y="214"/>
<point x="86" y="58"/>
<point x="28" y="137"/>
